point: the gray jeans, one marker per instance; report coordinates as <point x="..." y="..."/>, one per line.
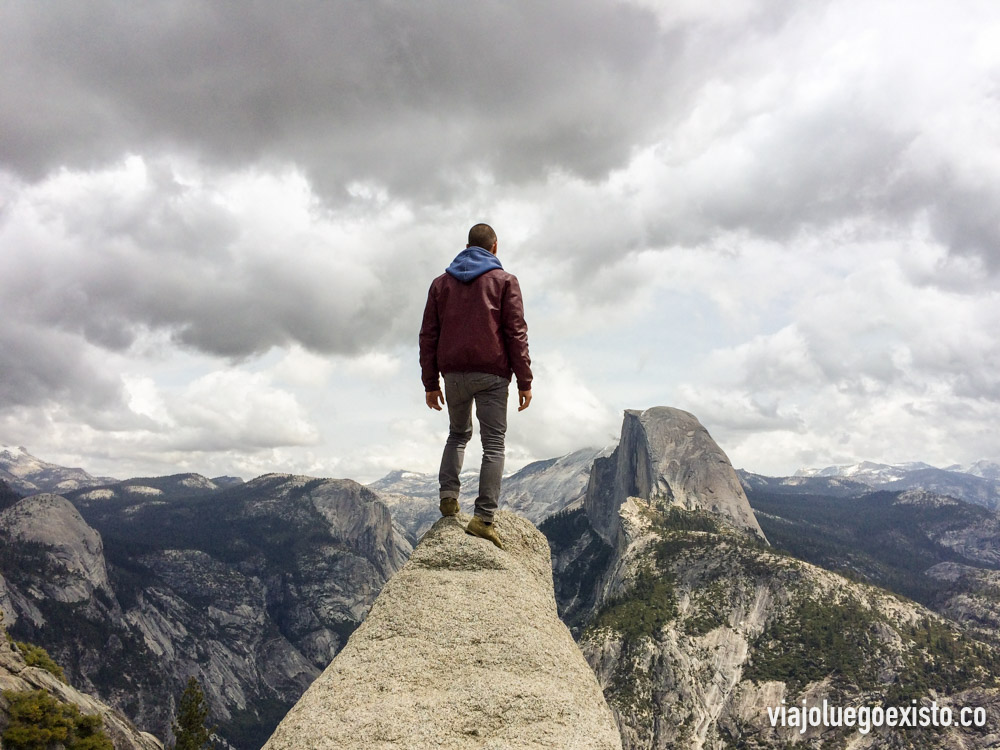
<point x="490" y="395"/>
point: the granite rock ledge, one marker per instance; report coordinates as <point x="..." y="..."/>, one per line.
<point x="462" y="649"/>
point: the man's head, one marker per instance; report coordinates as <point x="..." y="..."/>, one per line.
<point x="482" y="235"/>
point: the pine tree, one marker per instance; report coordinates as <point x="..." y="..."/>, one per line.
<point x="189" y="727"/>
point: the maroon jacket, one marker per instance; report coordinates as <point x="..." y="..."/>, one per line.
<point x="475" y="326"/>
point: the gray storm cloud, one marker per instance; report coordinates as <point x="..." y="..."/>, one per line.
<point x="412" y="95"/>
<point x="41" y="367"/>
<point x="135" y="250"/>
<point x="768" y="121"/>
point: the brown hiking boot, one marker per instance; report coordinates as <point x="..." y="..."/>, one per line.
<point x="478" y="527"/>
<point x="449" y="506"/>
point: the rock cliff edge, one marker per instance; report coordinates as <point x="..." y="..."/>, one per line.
<point x="462" y="649"/>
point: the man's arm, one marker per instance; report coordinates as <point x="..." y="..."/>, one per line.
<point x="430" y="329"/>
<point x="515" y="334"/>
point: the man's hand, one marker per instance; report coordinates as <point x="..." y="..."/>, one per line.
<point x="523" y="399"/>
<point x="435" y="399"/>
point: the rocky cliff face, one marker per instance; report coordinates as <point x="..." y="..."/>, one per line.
<point x="666" y="457"/>
<point x="697" y="626"/>
<point x="580" y="561"/>
<point x="706" y="631"/>
<point x="76" y="551"/>
<point x="462" y="649"/>
<point x="251" y="589"/>
<point x="972" y="598"/>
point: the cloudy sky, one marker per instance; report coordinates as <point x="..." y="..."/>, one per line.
<point x="218" y="223"/>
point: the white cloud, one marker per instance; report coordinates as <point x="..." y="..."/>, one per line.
<point x="231" y="409"/>
<point x="564" y="414"/>
<point x="873" y="366"/>
<point x="374" y="365"/>
<point x="300" y="367"/>
<point x="144" y="398"/>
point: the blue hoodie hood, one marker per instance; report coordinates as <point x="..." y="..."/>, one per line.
<point x="472" y="263"/>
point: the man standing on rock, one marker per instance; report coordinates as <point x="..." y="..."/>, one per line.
<point x="474" y="334"/>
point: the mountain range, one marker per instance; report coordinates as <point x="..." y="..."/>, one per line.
<point x="26" y="474"/>
<point x="977" y="483"/>
<point x="699" y="595"/>
<point x="135" y="587"/>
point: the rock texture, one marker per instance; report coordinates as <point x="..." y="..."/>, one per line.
<point x="75" y="549"/>
<point x="462" y="649"/>
<point x="973" y="596"/>
<point x="16" y="675"/>
<point x="733" y="628"/>
<point x="667" y="457"/>
<point x="908" y="542"/>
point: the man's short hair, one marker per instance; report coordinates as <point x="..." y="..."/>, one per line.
<point x="482" y="235"/>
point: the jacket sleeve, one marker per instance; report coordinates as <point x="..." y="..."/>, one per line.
<point x="430" y="329"/>
<point x="515" y="334"/>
